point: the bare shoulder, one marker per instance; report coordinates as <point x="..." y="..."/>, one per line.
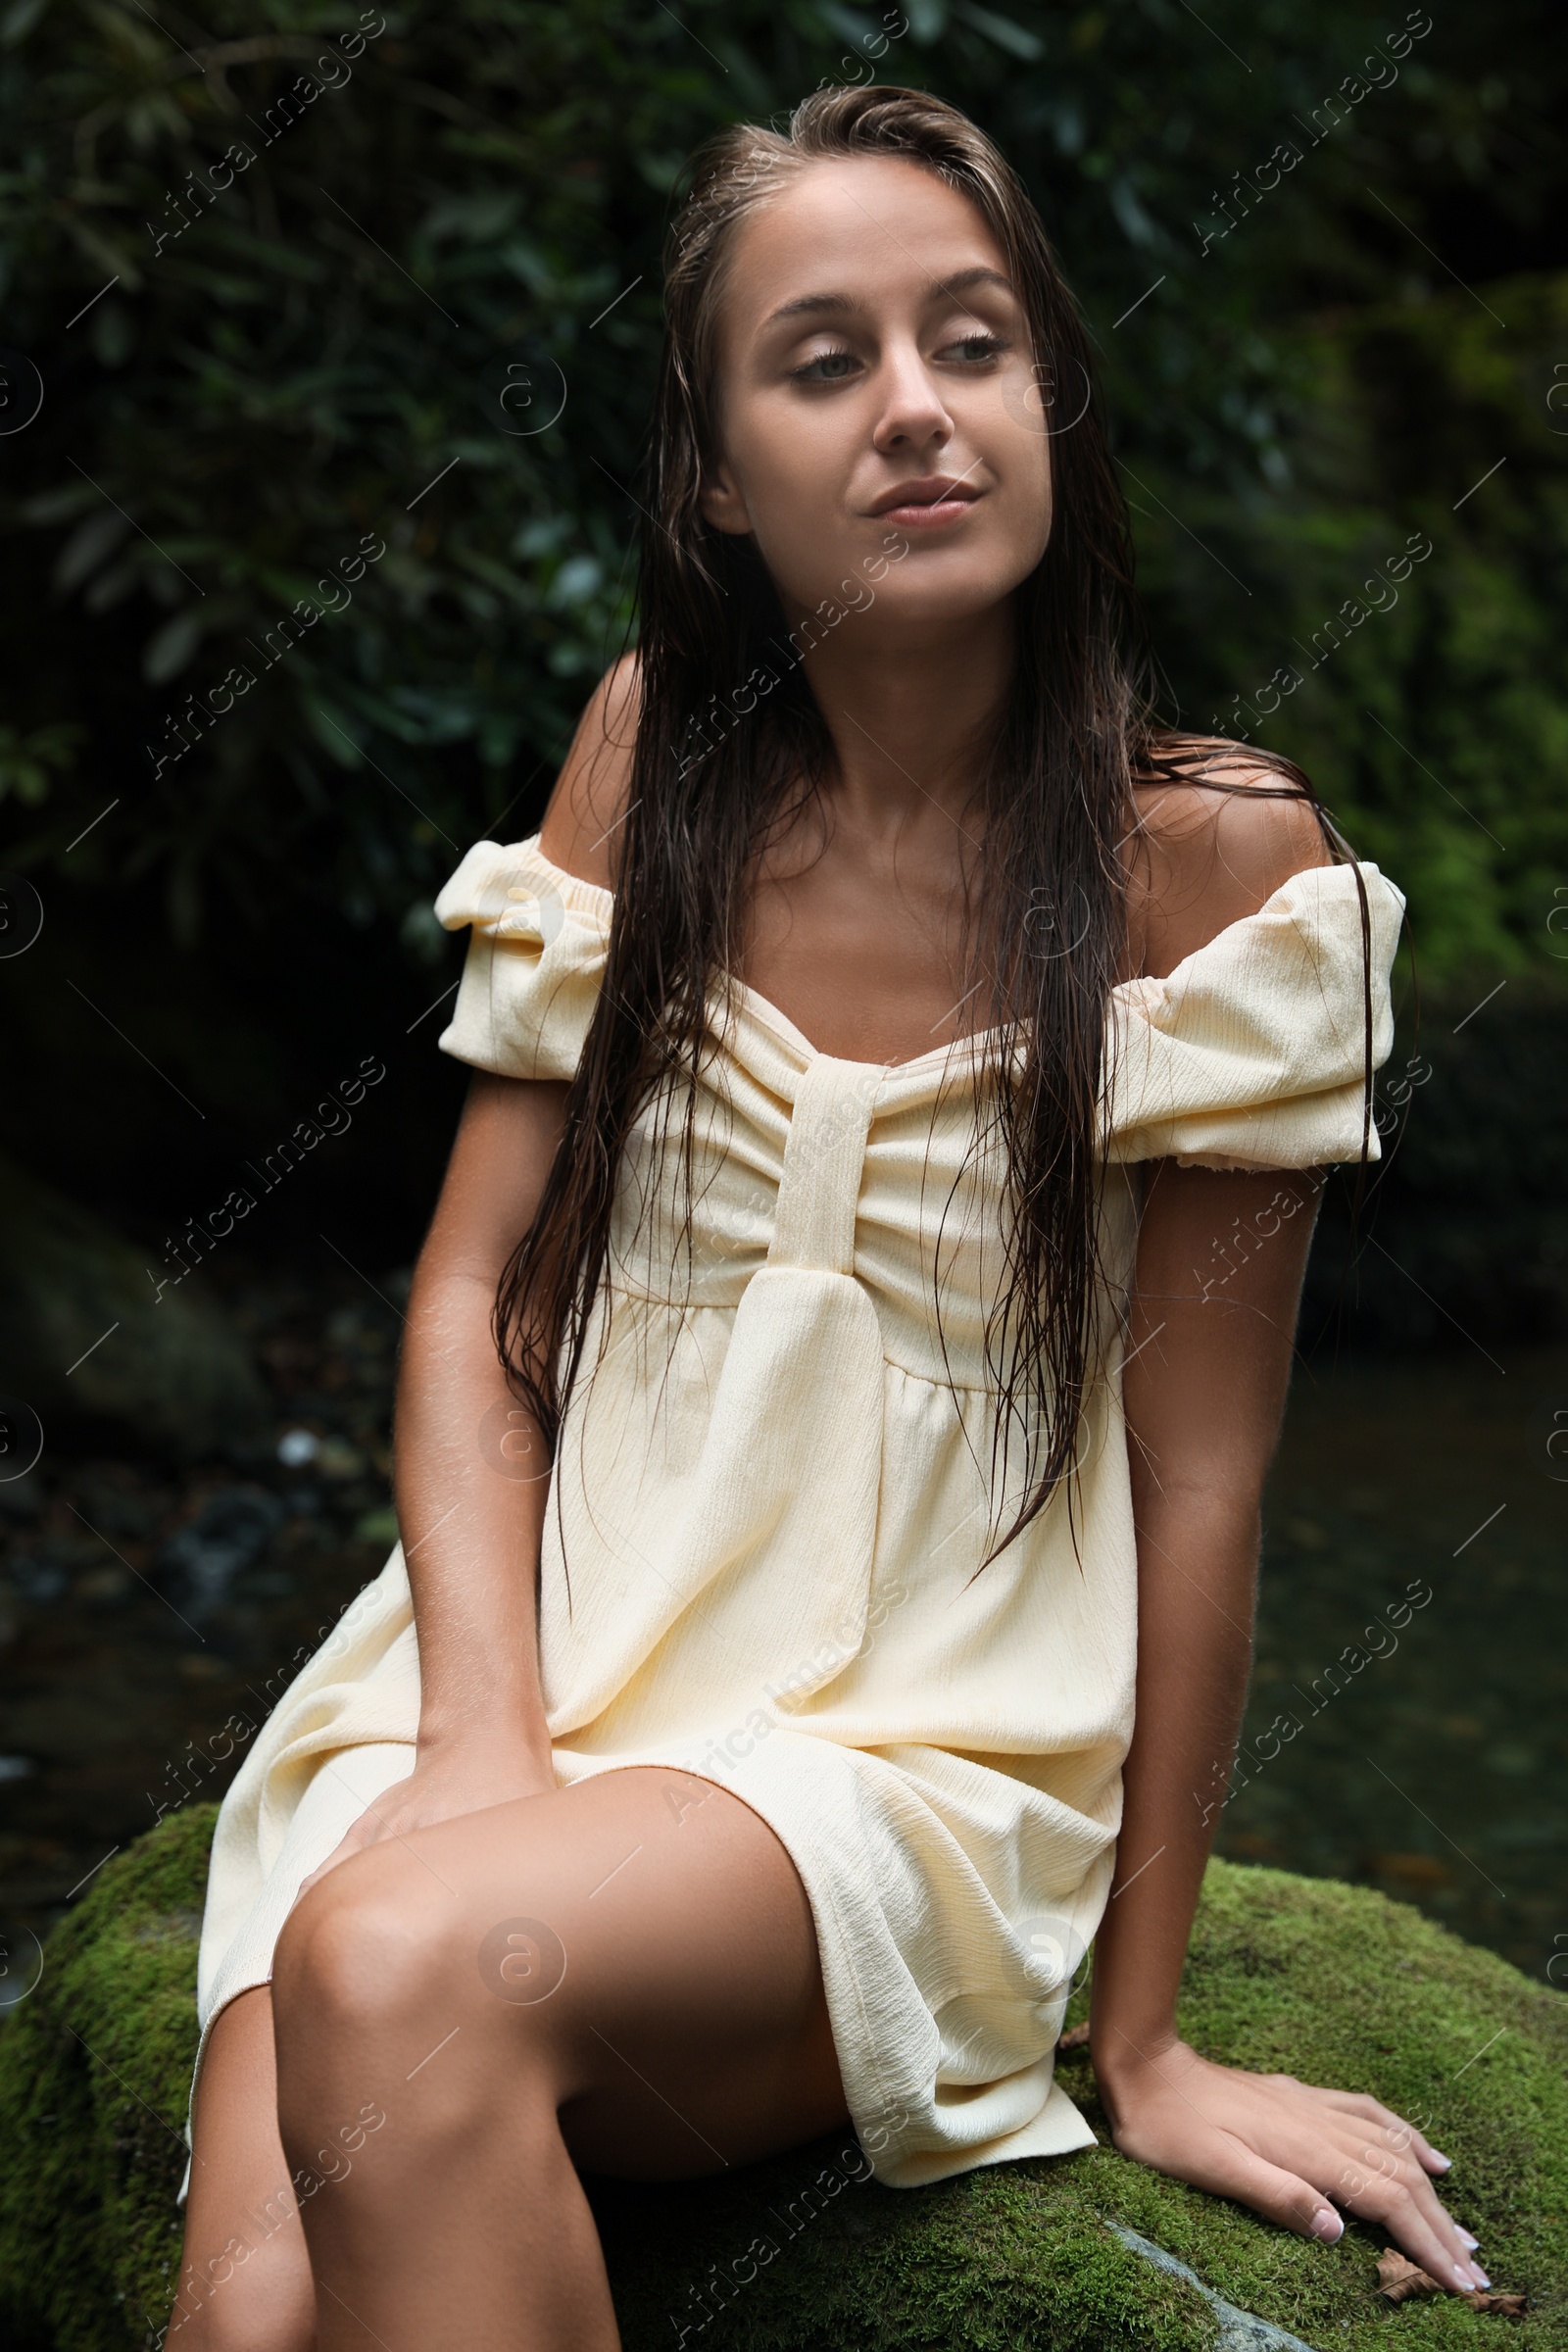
<point x="591" y="792"/>
<point x="1211" y="848"/>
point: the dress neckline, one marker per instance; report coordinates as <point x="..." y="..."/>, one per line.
<point x="773" y="1017"/>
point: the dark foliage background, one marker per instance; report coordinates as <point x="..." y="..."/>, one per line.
<point x="248" y="375"/>
<point x="1303" y="376"/>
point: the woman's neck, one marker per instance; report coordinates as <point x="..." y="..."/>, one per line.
<point x="908" y="719"/>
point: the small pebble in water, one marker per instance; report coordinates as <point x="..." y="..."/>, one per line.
<point x="296" y="1447"/>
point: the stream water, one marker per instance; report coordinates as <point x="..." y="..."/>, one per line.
<point x="1429" y="1753"/>
<point x="1407" y="1729"/>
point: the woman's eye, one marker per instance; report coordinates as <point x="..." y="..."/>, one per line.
<point x="981" y="345"/>
<point x="823" y="359"/>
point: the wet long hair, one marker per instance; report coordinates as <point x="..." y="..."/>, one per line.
<point x="718" y="773"/>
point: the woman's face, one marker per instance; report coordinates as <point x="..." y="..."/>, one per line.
<point x="871" y="345"/>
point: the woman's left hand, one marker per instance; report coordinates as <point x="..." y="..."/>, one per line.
<point x="1285" y="2148"/>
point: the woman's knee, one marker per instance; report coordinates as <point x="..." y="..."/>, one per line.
<point x="378" y="1970"/>
<point x="362" y="1954"/>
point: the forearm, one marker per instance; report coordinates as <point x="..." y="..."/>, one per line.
<point x="1197" y="1557"/>
<point x="472" y="1472"/>
<point x="471" y="1515"/>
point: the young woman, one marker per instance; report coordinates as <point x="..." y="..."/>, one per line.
<point x="841" y="1372"/>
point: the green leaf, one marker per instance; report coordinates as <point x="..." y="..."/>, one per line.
<point x="1014" y="38"/>
<point x="19" y="20"/>
<point x="169" y="648"/>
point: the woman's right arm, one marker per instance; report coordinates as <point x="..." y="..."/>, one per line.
<point x="473" y="1468"/>
<point x="470" y="1524"/>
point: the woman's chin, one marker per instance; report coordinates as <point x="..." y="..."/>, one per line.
<point x="935" y="596"/>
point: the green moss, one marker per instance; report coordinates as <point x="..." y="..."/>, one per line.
<point x="1327" y="1981"/>
<point x="1338" y="1984"/>
<point x="94" y="2076"/>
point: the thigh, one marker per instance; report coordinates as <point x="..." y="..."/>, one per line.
<point x="245" y="2276"/>
<point x="644" y="1936"/>
<point x="701" y="1984"/>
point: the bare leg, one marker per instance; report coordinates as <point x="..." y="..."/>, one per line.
<point x="245" y="2275"/>
<point x="622" y="1974"/>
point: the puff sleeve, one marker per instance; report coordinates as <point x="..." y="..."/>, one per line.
<point x="1254" y="1052"/>
<point x="539" y="938"/>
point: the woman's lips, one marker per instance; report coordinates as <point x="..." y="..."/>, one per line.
<point x="928" y="517"/>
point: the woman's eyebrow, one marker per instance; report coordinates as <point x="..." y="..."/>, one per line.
<point x="958" y="283"/>
<point x="979" y="275"/>
<point x="811" y="302"/>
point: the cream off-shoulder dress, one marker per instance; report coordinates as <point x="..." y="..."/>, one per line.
<point x="770" y="1497"/>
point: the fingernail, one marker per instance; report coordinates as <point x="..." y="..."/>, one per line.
<point x="1481" y="2276"/>
<point x="1466" y="2238"/>
<point x="1445" y="2164"/>
<point x="1327" y="2225"/>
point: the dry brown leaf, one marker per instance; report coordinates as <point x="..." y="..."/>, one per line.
<point x="1398" y="2278"/>
<point x="1076" y="2038"/>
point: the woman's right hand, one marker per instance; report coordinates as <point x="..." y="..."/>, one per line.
<point x="459" y="1773"/>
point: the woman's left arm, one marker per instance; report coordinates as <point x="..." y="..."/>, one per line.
<point x="1208" y="1368"/>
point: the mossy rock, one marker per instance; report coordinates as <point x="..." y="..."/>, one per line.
<point x="86" y="1337"/>
<point x="1329" y="1981"/>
